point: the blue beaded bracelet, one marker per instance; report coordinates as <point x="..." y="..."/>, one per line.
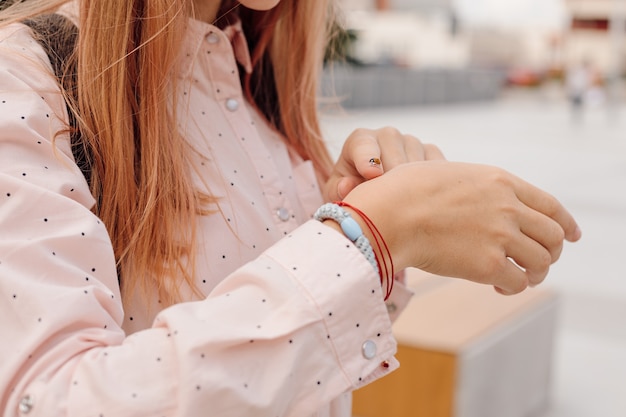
<point x="350" y="228"/>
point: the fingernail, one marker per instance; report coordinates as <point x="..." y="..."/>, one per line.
<point x="375" y="162"/>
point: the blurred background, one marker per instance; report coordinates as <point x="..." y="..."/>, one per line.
<point x="466" y="49"/>
<point x="533" y="86"/>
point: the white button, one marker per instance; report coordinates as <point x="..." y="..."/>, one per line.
<point x="391" y="308"/>
<point x="212" y="38"/>
<point x="232" y="104"/>
<point x="26" y="404"/>
<point x="283" y="214"/>
<point x="369" y="349"/>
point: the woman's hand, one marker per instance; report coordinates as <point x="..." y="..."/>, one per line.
<point x="470" y="221"/>
<point x="367" y="154"/>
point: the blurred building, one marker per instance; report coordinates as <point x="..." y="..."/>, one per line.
<point x="437" y="45"/>
<point x="398" y="4"/>
<point x="407" y="52"/>
<point x="405" y="33"/>
<point x="596" y="34"/>
<point x="434" y="33"/>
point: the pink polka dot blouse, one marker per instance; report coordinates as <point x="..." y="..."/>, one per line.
<point x="292" y="316"/>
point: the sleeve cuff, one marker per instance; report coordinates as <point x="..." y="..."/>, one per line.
<point x="349" y="299"/>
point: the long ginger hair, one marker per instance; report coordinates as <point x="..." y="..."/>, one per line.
<point x="140" y="166"/>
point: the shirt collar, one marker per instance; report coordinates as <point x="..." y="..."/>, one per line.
<point x="197" y="31"/>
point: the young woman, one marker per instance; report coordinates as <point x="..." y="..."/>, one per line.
<point x="166" y="262"/>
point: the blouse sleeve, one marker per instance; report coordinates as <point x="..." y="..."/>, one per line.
<point x="282" y="335"/>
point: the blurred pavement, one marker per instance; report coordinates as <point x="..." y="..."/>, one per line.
<point x="583" y="163"/>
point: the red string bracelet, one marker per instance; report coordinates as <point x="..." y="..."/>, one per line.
<point x="387" y="273"/>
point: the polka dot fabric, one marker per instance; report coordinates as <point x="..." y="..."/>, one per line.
<point x="291" y="318"/>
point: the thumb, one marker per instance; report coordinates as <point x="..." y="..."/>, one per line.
<point x="338" y="187"/>
<point x="345" y="185"/>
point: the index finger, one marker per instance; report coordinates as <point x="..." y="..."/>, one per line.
<point x="364" y="154"/>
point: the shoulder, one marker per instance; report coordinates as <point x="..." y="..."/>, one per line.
<point x="20" y="49"/>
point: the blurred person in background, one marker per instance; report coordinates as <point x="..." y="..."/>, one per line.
<point x="579" y="81"/>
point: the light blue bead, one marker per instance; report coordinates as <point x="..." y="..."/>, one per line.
<point x="351" y="228"/>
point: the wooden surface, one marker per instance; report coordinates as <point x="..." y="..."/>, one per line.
<point x="448" y="314"/>
<point x="422" y="387"/>
<point x="444" y="321"/>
